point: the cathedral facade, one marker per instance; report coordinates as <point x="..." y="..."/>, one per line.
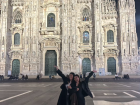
<point x="75" y="35"/>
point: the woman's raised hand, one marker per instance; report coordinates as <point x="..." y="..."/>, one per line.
<point x="56" y="67"/>
<point x="94" y="71"/>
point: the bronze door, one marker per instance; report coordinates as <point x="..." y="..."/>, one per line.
<point x="86" y="65"/>
<point x="15" y="67"/>
<point x="111" y="64"/>
<point x="50" y="62"/>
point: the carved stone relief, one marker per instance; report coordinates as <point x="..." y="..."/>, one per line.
<point x="111" y="52"/>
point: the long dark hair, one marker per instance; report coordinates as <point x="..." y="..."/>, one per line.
<point x="78" y="77"/>
<point x="73" y="75"/>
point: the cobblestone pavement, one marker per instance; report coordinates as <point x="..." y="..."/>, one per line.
<point x="47" y="93"/>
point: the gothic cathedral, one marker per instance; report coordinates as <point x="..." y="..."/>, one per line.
<point x="75" y="35"/>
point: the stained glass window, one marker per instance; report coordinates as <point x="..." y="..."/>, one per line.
<point x="51" y="20"/>
<point x="85" y="14"/>
<point x="18" y="17"/>
<point x="17" y="39"/>
<point x="110" y="36"/>
<point x="86" y="37"/>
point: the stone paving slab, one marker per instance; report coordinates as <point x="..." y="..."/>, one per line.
<point x="116" y="103"/>
<point x="60" y="80"/>
<point x="107" y="76"/>
<point x="47" y="93"/>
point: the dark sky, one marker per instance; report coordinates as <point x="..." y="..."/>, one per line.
<point x="137" y="2"/>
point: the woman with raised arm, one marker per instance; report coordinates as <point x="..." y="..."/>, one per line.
<point x="68" y="83"/>
<point x="82" y="90"/>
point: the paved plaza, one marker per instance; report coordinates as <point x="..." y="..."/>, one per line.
<point x="47" y="93"/>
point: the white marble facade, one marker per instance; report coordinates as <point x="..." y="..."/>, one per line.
<point x="66" y="37"/>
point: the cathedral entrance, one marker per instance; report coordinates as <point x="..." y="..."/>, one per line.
<point x="111" y="64"/>
<point x="50" y="62"/>
<point x="86" y="65"/>
<point x="15" y="67"/>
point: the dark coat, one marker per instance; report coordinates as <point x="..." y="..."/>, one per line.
<point x="84" y="90"/>
<point x="63" y="98"/>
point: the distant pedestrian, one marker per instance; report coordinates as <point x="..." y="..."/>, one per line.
<point x="81" y="76"/>
<point x="50" y="76"/>
<point x="26" y="77"/>
<point x="37" y="77"/>
<point x="40" y="75"/>
<point x="16" y="77"/>
<point x="116" y="76"/>
<point x="53" y="76"/>
<point x="2" y="77"/>
<point x="127" y="76"/>
<point x="84" y="75"/>
<point x="23" y="77"/>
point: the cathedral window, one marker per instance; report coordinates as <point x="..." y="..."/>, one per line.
<point x="18" y="17"/>
<point x="86" y="37"/>
<point x="85" y="14"/>
<point x="110" y="36"/>
<point x="51" y="20"/>
<point x="17" y="39"/>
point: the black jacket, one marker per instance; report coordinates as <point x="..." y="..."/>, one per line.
<point x="83" y="90"/>
<point x="86" y="90"/>
<point x="63" y="99"/>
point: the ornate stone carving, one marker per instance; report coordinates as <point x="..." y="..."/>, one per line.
<point x="86" y="53"/>
<point x="17" y="29"/>
<point x="110" y="26"/>
<point x="46" y="4"/>
<point x="84" y="1"/>
<point x="111" y="52"/>
<point x="17" y="2"/>
<point x="109" y="10"/>
<point x="15" y="54"/>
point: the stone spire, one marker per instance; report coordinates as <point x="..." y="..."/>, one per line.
<point x="131" y="3"/>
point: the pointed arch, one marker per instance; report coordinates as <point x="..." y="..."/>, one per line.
<point x="85" y="14"/>
<point x="17" y="16"/>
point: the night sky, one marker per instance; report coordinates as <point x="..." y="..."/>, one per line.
<point x="138" y="19"/>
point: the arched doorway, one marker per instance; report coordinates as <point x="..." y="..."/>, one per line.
<point x="86" y="65"/>
<point x="15" y="67"/>
<point x="111" y="64"/>
<point x="50" y="62"/>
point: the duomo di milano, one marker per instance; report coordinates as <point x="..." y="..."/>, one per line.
<point x="76" y="35"/>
